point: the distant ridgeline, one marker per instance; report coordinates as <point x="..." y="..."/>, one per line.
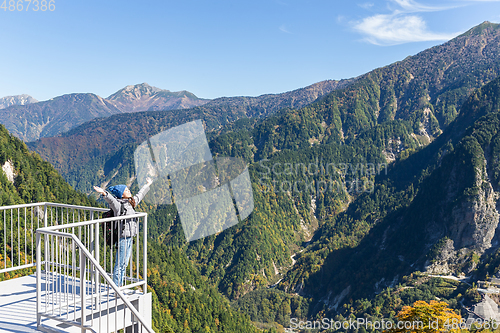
<point x="393" y="173"/>
<point x="62" y="113"/>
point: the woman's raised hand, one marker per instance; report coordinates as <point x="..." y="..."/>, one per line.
<point x="99" y="190"/>
<point x="149" y="181"/>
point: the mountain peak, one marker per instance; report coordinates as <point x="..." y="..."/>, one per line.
<point x="143" y="87"/>
<point x="16" y="100"/>
<point x="485" y="27"/>
<point x="137" y="91"/>
<point x="142" y="97"/>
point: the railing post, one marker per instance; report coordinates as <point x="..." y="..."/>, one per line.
<point x="145" y="255"/>
<point x="92" y="239"/>
<point x="92" y="245"/>
<point x="38" y="279"/>
<point x="45" y="215"/>
<point x="83" y="292"/>
<point x="96" y="256"/>
<point x="96" y="240"/>
<point x="47" y="253"/>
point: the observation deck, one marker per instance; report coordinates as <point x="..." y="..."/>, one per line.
<point x="58" y="269"/>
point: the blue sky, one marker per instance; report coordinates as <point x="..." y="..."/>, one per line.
<point x="217" y="48"/>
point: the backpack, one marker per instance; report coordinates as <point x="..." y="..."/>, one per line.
<point x="110" y="229"/>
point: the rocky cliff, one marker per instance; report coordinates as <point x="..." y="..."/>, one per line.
<point x="16" y="100"/>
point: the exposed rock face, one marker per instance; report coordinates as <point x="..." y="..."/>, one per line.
<point x="8" y="170"/>
<point x="471" y="227"/>
<point x="445" y="262"/>
<point x="16" y="100"/>
<point x="452" y="260"/>
<point x="393" y="149"/>
<point x="475" y="222"/>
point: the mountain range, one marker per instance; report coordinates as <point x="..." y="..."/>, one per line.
<point x="70" y="153"/>
<point x="421" y="135"/>
<point x="29" y="119"/>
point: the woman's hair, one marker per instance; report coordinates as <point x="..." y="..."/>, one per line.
<point x="132" y="202"/>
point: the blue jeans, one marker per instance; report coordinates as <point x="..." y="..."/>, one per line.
<point x="122" y="258"/>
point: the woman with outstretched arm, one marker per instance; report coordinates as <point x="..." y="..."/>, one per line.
<point x="121" y="201"/>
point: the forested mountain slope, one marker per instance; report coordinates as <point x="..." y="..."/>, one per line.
<point x="435" y="211"/>
<point x="328" y="266"/>
<point x="426" y="90"/>
<point x="26" y="178"/>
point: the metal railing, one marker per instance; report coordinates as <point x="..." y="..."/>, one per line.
<point x="18" y="225"/>
<point x="74" y="263"/>
<point x="76" y="289"/>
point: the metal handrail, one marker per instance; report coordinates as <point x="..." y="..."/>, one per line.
<point x="23" y="205"/>
<point x="111" y="219"/>
<point x="53" y="204"/>
<point x="83" y="252"/>
<point x="85" y="223"/>
<point x="19" y="229"/>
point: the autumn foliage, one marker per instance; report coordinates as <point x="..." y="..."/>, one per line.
<point x="431" y="317"/>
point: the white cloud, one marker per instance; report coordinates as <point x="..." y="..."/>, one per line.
<point x="401" y="25"/>
<point x="397" y="29"/>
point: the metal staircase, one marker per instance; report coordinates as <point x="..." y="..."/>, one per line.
<point x="74" y="287"/>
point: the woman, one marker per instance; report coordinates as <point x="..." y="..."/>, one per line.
<point x="128" y="227"/>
